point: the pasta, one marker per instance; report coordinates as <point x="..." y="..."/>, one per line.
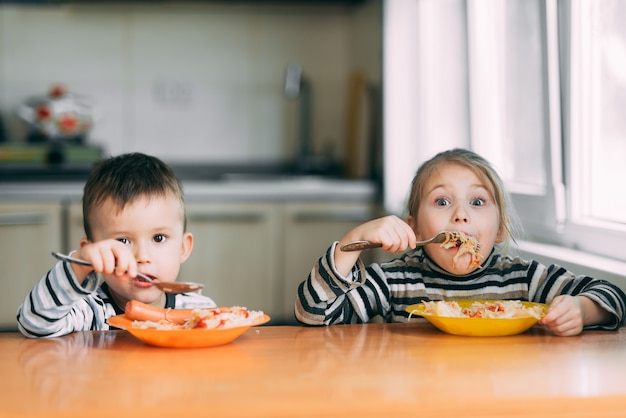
<point x="467" y="245"/>
<point x="488" y="309"/>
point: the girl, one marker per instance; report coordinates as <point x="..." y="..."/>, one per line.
<point x="457" y="191"/>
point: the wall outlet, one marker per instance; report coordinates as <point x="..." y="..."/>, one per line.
<point x="173" y="92"/>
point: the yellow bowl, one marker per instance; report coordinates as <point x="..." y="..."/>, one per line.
<point x="478" y="327"/>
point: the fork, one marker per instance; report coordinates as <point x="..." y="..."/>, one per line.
<point x="365" y="245"/>
<point x="167" y="287"/>
<point x="64" y="257"/>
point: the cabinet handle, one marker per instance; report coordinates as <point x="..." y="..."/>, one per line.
<point x="226" y="217"/>
<point x="7" y="219"/>
<point x="358" y="217"/>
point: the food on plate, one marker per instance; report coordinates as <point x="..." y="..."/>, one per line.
<point x="487" y="309"/>
<point x="480" y="318"/>
<point x="145" y="316"/>
<point x="139" y="311"/>
<point x="467" y="245"/>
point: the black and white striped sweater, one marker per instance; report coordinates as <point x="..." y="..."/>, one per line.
<point x="386" y="289"/>
<point x="59" y="304"/>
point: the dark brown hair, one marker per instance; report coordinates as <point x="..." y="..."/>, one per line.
<point x="124" y="179"/>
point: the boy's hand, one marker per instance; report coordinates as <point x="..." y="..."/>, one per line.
<point x="107" y="257"/>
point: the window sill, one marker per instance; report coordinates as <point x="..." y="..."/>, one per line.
<point x="578" y="262"/>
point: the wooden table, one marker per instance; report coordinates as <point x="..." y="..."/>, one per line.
<point x="379" y="370"/>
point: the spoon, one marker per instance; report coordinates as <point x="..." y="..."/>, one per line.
<point x="172" y="287"/>
<point x="437" y="239"/>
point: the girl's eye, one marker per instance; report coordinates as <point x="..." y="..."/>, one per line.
<point x="442" y="202"/>
<point x="159" y="238"/>
<point x="477" y="202"/>
<point x="124" y="240"/>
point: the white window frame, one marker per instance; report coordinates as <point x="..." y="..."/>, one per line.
<point x="541" y="208"/>
<point x="414" y="35"/>
<point x="551" y="214"/>
<point x="425" y="100"/>
<point x="580" y="231"/>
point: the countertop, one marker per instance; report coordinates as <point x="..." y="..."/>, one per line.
<point x="370" y="370"/>
<point x="257" y="182"/>
<point x="275" y="188"/>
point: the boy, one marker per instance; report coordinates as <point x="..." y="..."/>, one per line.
<point x="134" y="221"/>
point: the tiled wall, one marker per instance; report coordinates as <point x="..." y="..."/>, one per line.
<point x="197" y="82"/>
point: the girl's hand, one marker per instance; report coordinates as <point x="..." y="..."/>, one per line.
<point x="108" y="257"/>
<point x="393" y="233"/>
<point x="568" y="314"/>
<point x="565" y="316"/>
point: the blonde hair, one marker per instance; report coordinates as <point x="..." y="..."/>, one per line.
<point x="484" y="170"/>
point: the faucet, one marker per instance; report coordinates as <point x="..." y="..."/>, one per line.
<point x="298" y="87"/>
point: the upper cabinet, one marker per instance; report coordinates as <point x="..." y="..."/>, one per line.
<point x="165" y="2"/>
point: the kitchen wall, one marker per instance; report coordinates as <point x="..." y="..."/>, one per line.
<point x="197" y="82"/>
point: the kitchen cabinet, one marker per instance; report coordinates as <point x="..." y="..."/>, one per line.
<point x="309" y="229"/>
<point x="255" y="254"/>
<point x="234" y="254"/>
<point x="236" y="248"/>
<point x="74" y="223"/>
<point x="254" y="241"/>
<point x="29" y="231"/>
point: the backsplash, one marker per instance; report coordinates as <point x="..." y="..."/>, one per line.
<point x="195" y="82"/>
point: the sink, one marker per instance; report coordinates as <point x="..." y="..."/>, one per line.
<point x="253" y="172"/>
<point x="44" y="173"/>
<point x="78" y="172"/>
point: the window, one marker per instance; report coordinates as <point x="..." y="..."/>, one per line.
<point x="542" y="100"/>
<point x="425" y="88"/>
<point x="507" y="67"/>
<point x="515" y="106"/>
<point x="546" y="91"/>
<point x="596" y="138"/>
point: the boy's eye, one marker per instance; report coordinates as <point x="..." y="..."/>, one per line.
<point x="124" y="240"/>
<point x="477" y="202"/>
<point x="442" y="202"/>
<point x="159" y="238"/>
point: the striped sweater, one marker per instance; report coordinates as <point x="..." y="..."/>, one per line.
<point x="386" y="289"/>
<point x="59" y="304"/>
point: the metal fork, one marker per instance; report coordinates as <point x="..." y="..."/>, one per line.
<point x="167" y="287"/>
<point x="365" y="245"/>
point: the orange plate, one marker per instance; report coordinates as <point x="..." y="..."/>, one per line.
<point x="183" y="338"/>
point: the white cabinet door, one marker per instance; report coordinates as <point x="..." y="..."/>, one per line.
<point x="309" y="230"/>
<point x="255" y="254"/>
<point x="75" y="230"/>
<point x="29" y="232"/>
<point x="235" y="253"/>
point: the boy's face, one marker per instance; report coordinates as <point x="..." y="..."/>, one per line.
<point x="152" y="229"/>
<point x="456" y="199"/>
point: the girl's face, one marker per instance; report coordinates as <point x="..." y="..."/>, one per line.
<point x="456" y="199"/>
<point x="152" y="228"/>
